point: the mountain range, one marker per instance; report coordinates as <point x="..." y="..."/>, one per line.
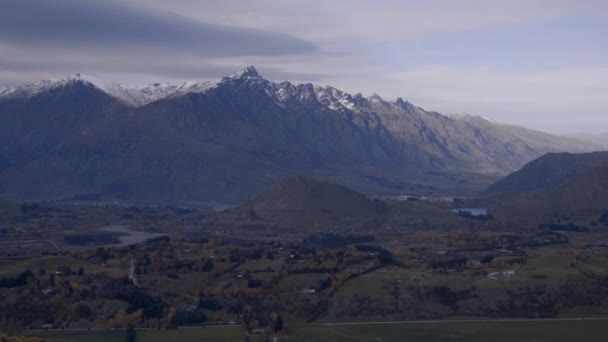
<point x="224" y="140"/>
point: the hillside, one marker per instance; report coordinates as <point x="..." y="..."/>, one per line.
<point x="225" y="140"/>
<point x="547" y="172"/>
<point x="581" y="198"/>
<point x="311" y="195"/>
<point x="33" y="126"/>
<point x="299" y="207"/>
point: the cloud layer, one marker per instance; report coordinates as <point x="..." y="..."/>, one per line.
<point x="99" y="25"/>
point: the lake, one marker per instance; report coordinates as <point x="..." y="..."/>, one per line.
<point x="472" y="211"/>
<point x="130" y="237"/>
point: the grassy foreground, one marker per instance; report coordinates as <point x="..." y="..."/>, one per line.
<point x="596" y="330"/>
<point x="554" y="331"/>
<point x="215" y="334"/>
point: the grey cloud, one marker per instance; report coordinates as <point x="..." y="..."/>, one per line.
<point x="116" y="27"/>
<point x="151" y="69"/>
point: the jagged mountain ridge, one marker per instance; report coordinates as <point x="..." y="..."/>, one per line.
<point x="231" y="137"/>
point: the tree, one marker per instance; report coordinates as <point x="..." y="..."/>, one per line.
<point x="253" y="215"/>
<point x="604" y="218"/>
<point x="131" y="334"/>
<point x="278" y="325"/>
<point x="207" y="265"/>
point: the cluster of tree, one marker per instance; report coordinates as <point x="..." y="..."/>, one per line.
<point x="161" y="239"/>
<point x="277" y="323"/>
<point x="457" y="263"/>
<point x="604" y="218"/>
<point x="207" y="265"/>
<point x="532" y="302"/>
<point x="331" y="240"/>
<point x="570" y="227"/>
<point x="21" y="339"/>
<point x="443" y="295"/>
<point x="254" y="283"/>
<point x="325" y="283"/>
<point x="17" y="281"/>
<point x="238" y="254"/>
<point x="138" y="300"/>
<point x="103" y="254"/>
<point x="210" y="304"/>
<point x="547" y="238"/>
<point x="487" y="259"/>
<point x="384" y="255"/>
<point x="182" y="317"/>
<point x="67" y="270"/>
<point x="90" y="239"/>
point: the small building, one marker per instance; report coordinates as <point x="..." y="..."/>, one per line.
<point x="307" y="291"/>
<point x="509" y="273"/>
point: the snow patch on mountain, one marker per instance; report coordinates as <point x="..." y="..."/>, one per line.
<point x="132" y="95"/>
<point x="141" y="95"/>
<point x="46" y="85"/>
<point x="282" y="93"/>
<point x="468" y="117"/>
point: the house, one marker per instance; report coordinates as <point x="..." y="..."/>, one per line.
<point x="509" y="274"/>
<point x="307" y="291"/>
<point x="47" y="290"/>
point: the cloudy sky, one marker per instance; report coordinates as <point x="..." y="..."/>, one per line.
<point x="542" y="64"/>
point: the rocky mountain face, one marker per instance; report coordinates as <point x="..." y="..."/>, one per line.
<point x="224" y="140"/>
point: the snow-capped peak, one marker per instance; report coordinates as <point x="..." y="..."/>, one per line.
<point x="45" y="85"/>
<point x="142" y="95"/>
<point x="282" y="93"/>
<point x="376" y="98"/>
<point x="132" y="95"/>
<point x="467" y="117"/>
<point x="249" y="71"/>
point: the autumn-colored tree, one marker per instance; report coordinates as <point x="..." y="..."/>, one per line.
<point x="171" y="314"/>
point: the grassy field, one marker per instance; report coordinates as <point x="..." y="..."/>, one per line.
<point x="538" y="331"/>
<point x="554" y="331"/>
<point x="218" y="334"/>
